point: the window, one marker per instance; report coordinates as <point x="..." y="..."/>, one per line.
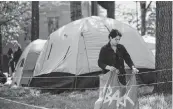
<point x="66" y="52"/>
<point x="49" y="52"/>
<point x="53" y="24"/>
<point x="22" y="62"/>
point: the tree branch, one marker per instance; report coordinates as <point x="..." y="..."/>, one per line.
<point x="148" y="5"/>
<point x="14" y="17"/>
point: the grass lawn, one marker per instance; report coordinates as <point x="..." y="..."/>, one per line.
<point x="70" y="100"/>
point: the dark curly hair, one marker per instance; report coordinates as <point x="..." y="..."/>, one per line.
<point x="114" y="33"/>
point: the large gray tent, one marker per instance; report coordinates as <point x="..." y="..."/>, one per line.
<point x="73" y="51"/>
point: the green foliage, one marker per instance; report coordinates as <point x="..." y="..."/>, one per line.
<point x="15" y="18"/>
<point x="150" y="21"/>
<point x="132" y="16"/>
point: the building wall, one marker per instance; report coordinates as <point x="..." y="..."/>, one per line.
<point x="63" y="13"/>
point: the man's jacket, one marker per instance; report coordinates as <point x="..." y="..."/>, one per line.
<point x="107" y="56"/>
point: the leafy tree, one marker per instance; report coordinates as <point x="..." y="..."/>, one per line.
<point x="13" y="17"/>
<point x="133" y="17"/>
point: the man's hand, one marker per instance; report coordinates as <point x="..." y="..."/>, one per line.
<point x="134" y="70"/>
<point x="110" y="68"/>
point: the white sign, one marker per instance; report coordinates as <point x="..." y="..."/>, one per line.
<point x="110" y="97"/>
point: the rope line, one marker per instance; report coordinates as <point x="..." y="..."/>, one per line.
<point x="33" y="106"/>
<point x="104" y="87"/>
<point x="157" y="71"/>
<point x="101" y="87"/>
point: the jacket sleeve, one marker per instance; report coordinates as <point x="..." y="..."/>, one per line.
<point x="101" y="63"/>
<point x="127" y="58"/>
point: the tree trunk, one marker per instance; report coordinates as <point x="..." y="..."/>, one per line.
<point x="1" y="53"/>
<point x="111" y="9"/>
<point x="76" y="11"/>
<point x="143" y="17"/>
<point x="35" y="20"/>
<point x="94" y="9"/>
<point x="164" y="45"/>
<point x="109" y="6"/>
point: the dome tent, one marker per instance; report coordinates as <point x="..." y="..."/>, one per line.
<point x="25" y="66"/>
<point x="73" y="50"/>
